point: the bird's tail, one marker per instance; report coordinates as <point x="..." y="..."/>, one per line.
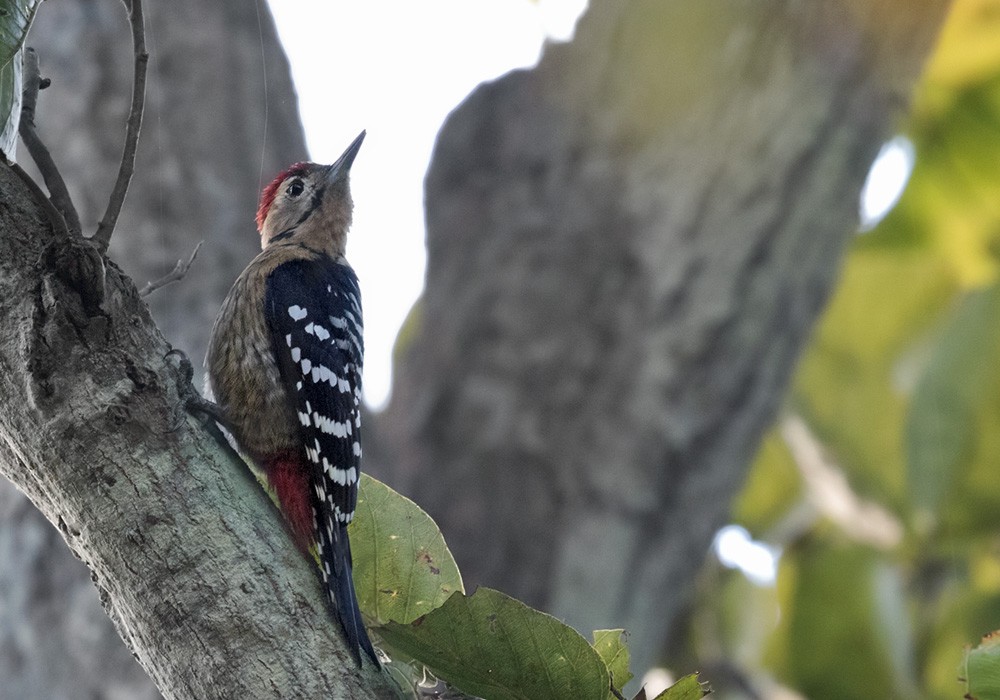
<point x="336" y="570"/>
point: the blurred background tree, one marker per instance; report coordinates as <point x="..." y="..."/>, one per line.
<point x="628" y="248"/>
<point x="879" y="485"/>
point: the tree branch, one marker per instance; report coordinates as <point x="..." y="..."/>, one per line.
<point x="175" y="275"/>
<point x="189" y="555"/>
<point x="107" y="226"/>
<point x="39" y="153"/>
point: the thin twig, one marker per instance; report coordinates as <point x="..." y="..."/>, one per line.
<point x="107" y="226"/>
<point x="39" y="153"/>
<point x="175" y="275"/>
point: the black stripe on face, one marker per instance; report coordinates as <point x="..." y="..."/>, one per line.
<point x="317" y="200"/>
<point x="286" y="234"/>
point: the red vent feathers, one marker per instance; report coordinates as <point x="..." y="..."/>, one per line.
<point x="271" y="191"/>
<point x="288" y="474"/>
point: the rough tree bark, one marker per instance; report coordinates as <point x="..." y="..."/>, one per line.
<point x="191" y="562"/>
<point x="628" y="246"/>
<point x="197" y="178"/>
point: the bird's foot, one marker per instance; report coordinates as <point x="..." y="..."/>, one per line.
<point x="191" y="400"/>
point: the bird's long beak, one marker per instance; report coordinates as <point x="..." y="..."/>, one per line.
<point x="343" y="165"/>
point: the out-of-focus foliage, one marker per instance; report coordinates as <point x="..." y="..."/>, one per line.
<point x="951" y="208"/>
<point x="901" y="387"/>
<point x="848" y="615"/>
<point x="773" y="484"/>
<point x="952" y="419"/>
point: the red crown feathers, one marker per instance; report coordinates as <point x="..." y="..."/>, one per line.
<point x="271" y="191"/>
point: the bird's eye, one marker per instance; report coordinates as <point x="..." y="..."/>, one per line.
<point x="295" y="188"/>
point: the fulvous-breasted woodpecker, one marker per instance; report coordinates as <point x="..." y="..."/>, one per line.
<point x="284" y="365"/>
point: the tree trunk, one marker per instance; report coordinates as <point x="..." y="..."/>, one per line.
<point x="628" y="247"/>
<point x="191" y="562"/>
<point x="204" y="144"/>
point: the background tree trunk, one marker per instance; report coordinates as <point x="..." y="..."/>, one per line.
<point x="203" y="145"/>
<point x="628" y="246"/>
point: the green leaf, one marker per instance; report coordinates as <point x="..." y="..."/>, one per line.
<point x="610" y="644"/>
<point x="10" y="105"/>
<point x="493" y="646"/>
<point x="402" y="566"/>
<point x="941" y="424"/>
<point x="15" y="18"/>
<point x="981" y="669"/>
<point x="687" y="688"/>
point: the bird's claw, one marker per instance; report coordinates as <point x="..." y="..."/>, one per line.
<point x="183" y="364"/>
<point x="191" y="400"/>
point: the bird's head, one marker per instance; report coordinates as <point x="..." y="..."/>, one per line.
<point x="310" y="203"/>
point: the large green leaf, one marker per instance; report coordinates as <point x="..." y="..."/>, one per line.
<point x="402" y="566"/>
<point x="498" y="648"/>
<point x="15" y="18"/>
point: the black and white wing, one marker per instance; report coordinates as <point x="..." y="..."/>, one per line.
<point x="313" y="310"/>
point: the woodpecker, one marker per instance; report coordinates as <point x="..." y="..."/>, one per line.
<point x="284" y="365"/>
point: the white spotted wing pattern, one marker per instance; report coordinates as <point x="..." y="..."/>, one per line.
<point x="313" y="311"/>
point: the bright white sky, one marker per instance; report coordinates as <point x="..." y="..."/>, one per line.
<point x="396" y="69"/>
<point x="886" y="180"/>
